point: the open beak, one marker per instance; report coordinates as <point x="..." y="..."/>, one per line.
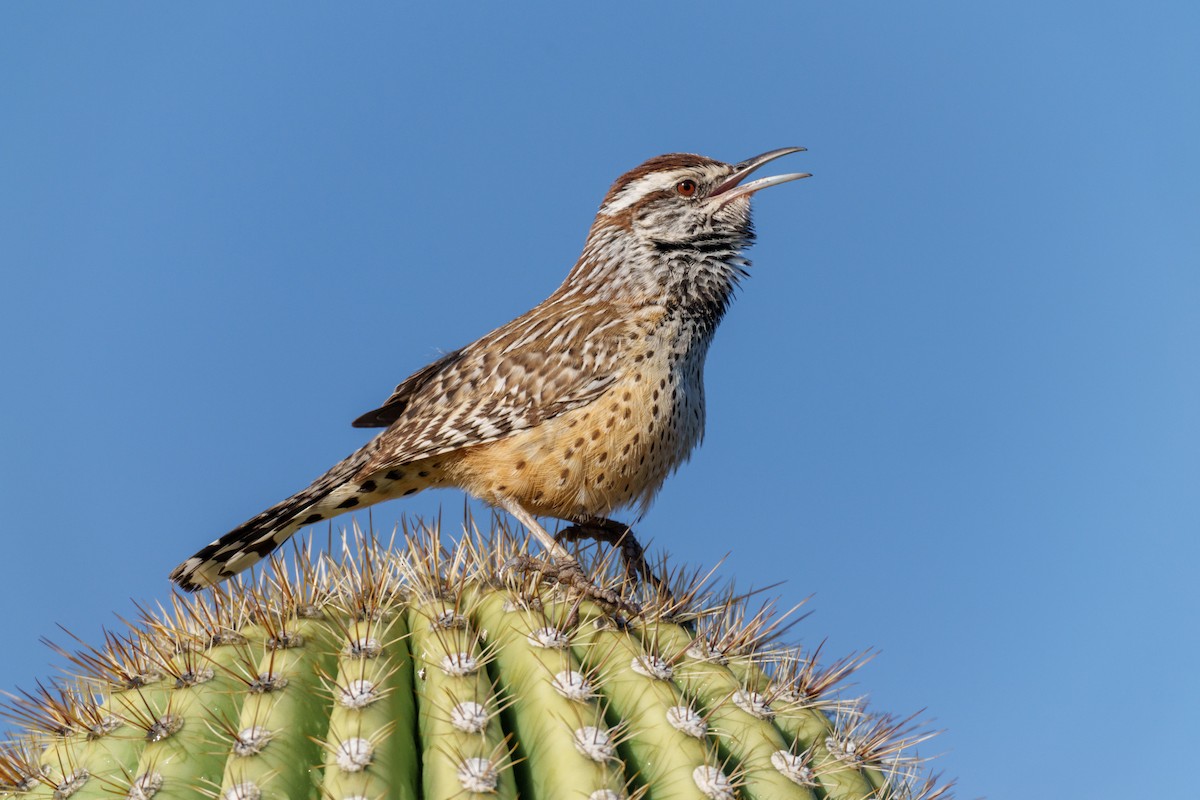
<point x="729" y="188"/>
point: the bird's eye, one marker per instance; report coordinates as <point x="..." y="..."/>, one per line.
<point x="686" y="188"/>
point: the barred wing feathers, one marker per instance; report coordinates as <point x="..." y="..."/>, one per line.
<point x="558" y="357"/>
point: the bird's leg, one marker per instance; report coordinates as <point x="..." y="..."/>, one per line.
<point x="616" y="534"/>
<point x="613" y="533"/>
<point x="562" y="566"/>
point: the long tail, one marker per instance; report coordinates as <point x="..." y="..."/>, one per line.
<point x="257" y="538"/>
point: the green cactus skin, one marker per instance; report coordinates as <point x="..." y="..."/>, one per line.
<point x="425" y="672"/>
<point x="374" y="702"/>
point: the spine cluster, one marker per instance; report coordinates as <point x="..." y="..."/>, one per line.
<point x="427" y="671"/>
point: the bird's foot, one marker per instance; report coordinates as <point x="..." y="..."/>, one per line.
<point x="567" y="572"/>
<point x="633" y="555"/>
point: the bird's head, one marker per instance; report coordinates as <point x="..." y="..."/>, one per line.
<point x="681" y="199"/>
<point x="676" y="224"/>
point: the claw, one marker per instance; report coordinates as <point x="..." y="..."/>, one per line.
<point x="568" y="573"/>
<point x="633" y="555"/>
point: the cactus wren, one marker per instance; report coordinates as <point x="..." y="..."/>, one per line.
<point x="576" y="409"/>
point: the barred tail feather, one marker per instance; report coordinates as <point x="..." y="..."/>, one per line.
<point x="255" y="539"/>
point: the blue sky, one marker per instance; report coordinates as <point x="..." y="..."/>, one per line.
<point x="958" y="402"/>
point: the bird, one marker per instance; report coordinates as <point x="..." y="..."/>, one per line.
<point x="575" y="410"/>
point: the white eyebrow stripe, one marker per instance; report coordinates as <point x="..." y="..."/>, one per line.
<point x="647" y="184"/>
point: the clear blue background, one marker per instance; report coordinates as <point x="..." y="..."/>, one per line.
<point x="958" y="401"/>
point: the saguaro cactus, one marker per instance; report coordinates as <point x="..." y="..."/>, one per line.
<point x="428" y="671"/>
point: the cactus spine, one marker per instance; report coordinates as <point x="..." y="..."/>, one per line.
<point x="425" y="671"/>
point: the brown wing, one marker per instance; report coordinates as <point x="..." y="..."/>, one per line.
<point x="391" y="410"/>
<point x="558" y="357"/>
